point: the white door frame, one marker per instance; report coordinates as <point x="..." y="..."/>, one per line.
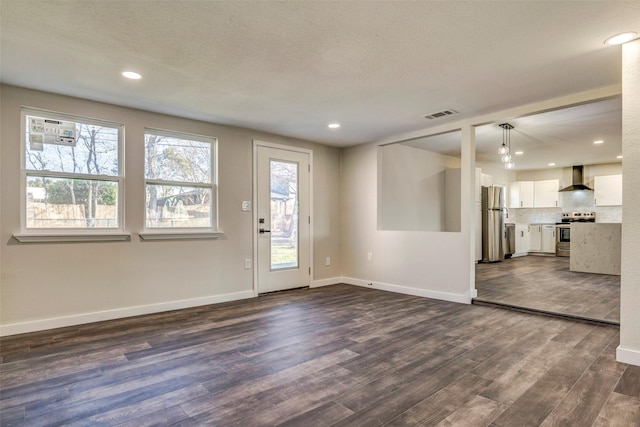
<point x="254" y="226"/>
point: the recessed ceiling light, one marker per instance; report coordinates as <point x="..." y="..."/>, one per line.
<point x="131" y="75"/>
<point x="518" y="153"/>
<point x="334" y="125"/>
<point x="620" y="38"/>
<point x="619" y="157"/>
<point x="598" y="142"/>
<point x="552" y="164"/>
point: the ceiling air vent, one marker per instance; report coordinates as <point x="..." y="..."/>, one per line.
<point x="439" y="114"/>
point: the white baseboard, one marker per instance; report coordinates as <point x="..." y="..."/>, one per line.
<point x="98" y="316"/>
<point x="443" y="296"/>
<point x="626" y="355"/>
<point x="326" y="282"/>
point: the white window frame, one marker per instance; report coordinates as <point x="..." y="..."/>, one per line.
<point x="36" y="235"/>
<point x="167" y="233"/>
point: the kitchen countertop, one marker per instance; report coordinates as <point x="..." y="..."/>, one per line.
<point x="596" y="247"/>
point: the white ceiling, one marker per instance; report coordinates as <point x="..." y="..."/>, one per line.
<point x="290" y="68"/>
<point x="564" y="137"/>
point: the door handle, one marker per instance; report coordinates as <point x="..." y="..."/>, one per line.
<point x="262" y="231"/>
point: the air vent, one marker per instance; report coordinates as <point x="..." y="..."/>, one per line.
<point x="439" y="114"/>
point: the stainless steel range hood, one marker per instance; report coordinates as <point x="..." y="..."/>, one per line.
<point x="577" y="181"/>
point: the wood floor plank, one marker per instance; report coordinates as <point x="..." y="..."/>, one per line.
<point x="477" y="412"/>
<point x="382" y="410"/>
<point x="327" y="414"/>
<point x="630" y="382"/>
<point x="538" y="400"/>
<point x="337" y="355"/>
<point x="147" y="410"/>
<point x="438" y="406"/>
<point x="620" y="410"/>
<point x="242" y="389"/>
<point x="520" y="377"/>
<point x="163" y="417"/>
<point x="396" y="379"/>
<point x="514" y="355"/>
<point x="583" y="402"/>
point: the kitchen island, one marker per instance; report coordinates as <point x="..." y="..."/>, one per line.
<point x="596" y="247"/>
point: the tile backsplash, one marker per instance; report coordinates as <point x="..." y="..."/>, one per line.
<point x="535" y="216"/>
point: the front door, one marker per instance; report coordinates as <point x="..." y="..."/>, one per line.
<point x="283" y="221"/>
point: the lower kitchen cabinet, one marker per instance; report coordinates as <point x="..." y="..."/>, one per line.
<point x="522" y="240"/>
<point x="535" y="237"/>
<point x="542" y="238"/>
<point x="549" y="238"/>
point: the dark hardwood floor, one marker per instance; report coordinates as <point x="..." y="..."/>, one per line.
<point x="339" y="355"/>
<point x="545" y="283"/>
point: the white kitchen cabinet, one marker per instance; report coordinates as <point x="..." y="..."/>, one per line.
<point x="545" y="193"/>
<point x="549" y="238"/>
<point x="542" y="238"/>
<point x="534" y="194"/>
<point x="521" y="194"/>
<point x="522" y="240"/>
<point x="607" y="190"/>
<point x="535" y="237"/>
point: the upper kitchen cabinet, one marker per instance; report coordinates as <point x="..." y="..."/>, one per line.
<point x="534" y="194"/>
<point x="521" y="194"/>
<point x="545" y="193"/>
<point x="607" y="190"/>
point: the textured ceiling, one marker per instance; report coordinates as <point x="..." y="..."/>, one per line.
<point x="292" y="67"/>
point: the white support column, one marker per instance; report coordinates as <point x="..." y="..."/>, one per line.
<point x="629" y="349"/>
<point x="468" y="208"/>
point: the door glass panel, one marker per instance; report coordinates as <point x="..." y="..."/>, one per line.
<point x="284" y="214"/>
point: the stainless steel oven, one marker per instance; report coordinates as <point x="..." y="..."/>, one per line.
<point x="563" y="239"/>
<point x="563" y="230"/>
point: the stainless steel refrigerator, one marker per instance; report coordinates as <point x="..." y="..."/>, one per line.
<point x="492" y="223"/>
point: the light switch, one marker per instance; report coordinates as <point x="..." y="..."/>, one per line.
<point x="246" y="206"/>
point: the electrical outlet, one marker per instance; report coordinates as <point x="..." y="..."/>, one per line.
<point x="370" y="285"/>
<point x="327" y="261"/>
<point x="369" y="256"/>
<point x="247" y="263"/>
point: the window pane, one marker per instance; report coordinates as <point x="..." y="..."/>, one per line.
<point x="284" y="215"/>
<point x="176" y="159"/>
<point x="71" y="203"/>
<point x="177" y="206"/>
<point x="61" y="146"/>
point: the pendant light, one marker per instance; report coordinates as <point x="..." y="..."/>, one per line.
<point x="505" y="149"/>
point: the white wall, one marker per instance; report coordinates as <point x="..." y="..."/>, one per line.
<point x="629" y="349"/>
<point x="55" y="284"/>
<point x="411" y="188"/>
<point x="500" y="175"/>
<point x="434" y="264"/>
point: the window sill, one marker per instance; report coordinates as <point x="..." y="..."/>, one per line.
<point x="62" y="237"/>
<point x="180" y="235"/>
